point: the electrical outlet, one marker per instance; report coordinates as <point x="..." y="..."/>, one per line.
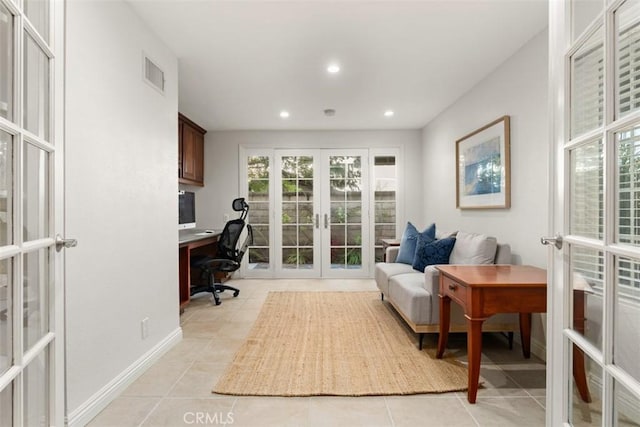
<point x="226" y="218"/>
<point x="144" y="328"/>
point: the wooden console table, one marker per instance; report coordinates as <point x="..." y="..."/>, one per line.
<point x="485" y="290"/>
<point x="193" y="242"/>
<point x="386" y="243"/>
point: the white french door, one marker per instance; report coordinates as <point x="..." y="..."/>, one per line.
<point x="290" y="192"/>
<point x="345" y="213"/>
<point x="297" y="213"/>
<point x="31" y="307"/>
<point x="594" y="305"/>
<point x="321" y="213"/>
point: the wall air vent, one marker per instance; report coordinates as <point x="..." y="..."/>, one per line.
<point x="153" y="75"/>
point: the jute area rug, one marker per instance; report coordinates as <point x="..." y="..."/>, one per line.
<point x="334" y="343"/>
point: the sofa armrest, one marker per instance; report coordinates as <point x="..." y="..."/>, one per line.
<point x="432" y="280"/>
<point x="503" y="254"/>
<point x="392" y="253"/>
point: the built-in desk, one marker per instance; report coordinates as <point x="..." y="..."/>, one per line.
<point x="193" y="242"/>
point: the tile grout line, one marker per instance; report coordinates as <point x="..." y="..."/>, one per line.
<point x="144" y="420"/>
<point x="506" y="373"/>
<point x="460" y="397"/>
<point x="386" y="404"/>
<point x="163" y="398"/>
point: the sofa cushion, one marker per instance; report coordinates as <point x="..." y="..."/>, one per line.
<point x="441" y="234"/>
<point x="385" y="270"/>
<point x="471" y="248"/>
<point x="430" y="252"/>
<point x="409" y="240"/>
<point x="411" y="298"/>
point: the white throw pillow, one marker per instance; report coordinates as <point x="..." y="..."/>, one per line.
<point x="471" y="248"/>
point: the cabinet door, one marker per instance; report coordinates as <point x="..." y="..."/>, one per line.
<point x="189" y="153"/>
<point x="180" y="130"/>
<point x="198" y="156"/>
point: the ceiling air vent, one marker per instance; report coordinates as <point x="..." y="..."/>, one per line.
<point x="153" y="74"/>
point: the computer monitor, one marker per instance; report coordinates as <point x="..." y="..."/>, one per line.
<point x="186" y="210"/>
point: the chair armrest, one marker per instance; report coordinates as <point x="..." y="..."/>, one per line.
<point x="392" y="253"/>
<point x="222" y="261"/>
<point x="432" y="280"/>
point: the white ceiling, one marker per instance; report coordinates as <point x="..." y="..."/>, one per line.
<point x="242" y="62"/>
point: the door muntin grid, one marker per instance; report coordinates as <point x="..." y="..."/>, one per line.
<point x="601" y="205"/>
<point x="26" y="214"/>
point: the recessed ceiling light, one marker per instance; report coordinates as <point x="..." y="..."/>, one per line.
<point x="333" y="68"/>
<point x="284" y="114"/>
<point x="389" y="113"/>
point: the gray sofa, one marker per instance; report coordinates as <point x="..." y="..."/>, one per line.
<point x="414" y="294"/>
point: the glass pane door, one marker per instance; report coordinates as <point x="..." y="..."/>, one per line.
<point x="321" y="213"/>
<point x="297" y="218"/>
<point x="346" y="247"/>
<point x="31" y="351"/>
<point x="597" y="197"/>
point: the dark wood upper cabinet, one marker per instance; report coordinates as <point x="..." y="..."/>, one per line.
<point x="190" y="152"/>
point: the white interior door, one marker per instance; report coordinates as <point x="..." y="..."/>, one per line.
<point x="594" y="307"/>
<point x="31" y="309"/>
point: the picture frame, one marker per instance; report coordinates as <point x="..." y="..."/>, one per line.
<point x="483" y="170"/>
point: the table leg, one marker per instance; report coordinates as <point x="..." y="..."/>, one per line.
<point x="445" y="319"/>
<point x="474" y="353"/>
<point x="579" y="368"/>
<point x="525" y="334"/>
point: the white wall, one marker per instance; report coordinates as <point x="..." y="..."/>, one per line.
<point x="517" y="88"/>
<point x="221" y="163"/>
<point x="121" y="204"/>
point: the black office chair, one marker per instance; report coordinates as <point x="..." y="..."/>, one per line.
<point x="228" y="257"/>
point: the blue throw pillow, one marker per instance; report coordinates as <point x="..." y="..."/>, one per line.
<point x="407" y="250"/>
<point x="430" y="251"/>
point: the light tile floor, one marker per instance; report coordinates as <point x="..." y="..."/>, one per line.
<point x="176" y="391"/>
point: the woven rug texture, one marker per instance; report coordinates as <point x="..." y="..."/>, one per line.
<point x="335" y="343"/>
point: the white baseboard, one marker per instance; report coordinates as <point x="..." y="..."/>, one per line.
<point x="539" y="349"/>
<point x="96" y="403"/>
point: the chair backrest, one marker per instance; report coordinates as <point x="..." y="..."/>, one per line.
<point x="229" y="239"/>
<point x="227" y="245"/>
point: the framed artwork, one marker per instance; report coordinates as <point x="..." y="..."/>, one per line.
<point x="482" y="167"/>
